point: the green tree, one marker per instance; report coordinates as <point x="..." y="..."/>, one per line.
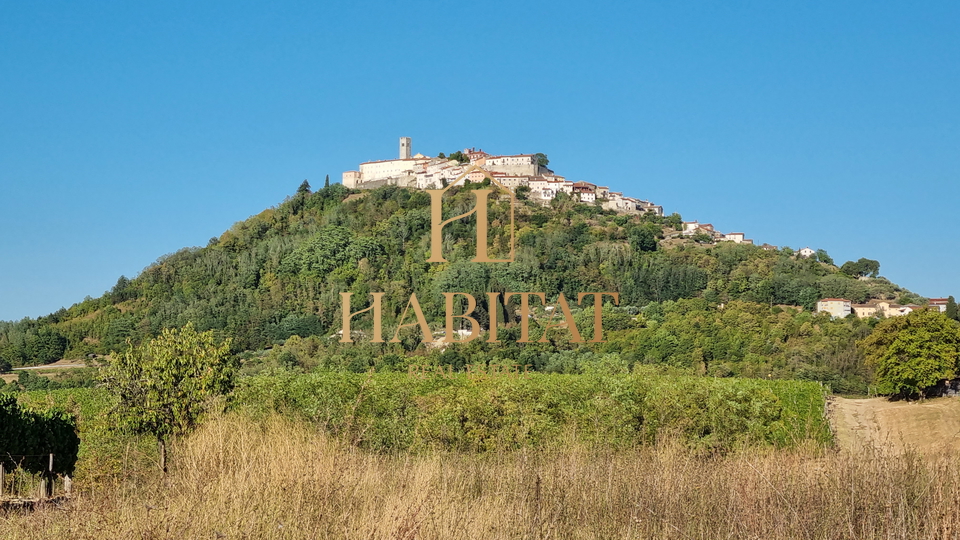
<point x="163" y="386"/>
<point x="46" y="346"/>
<point x="304" y="187"/>
<point x="326" y="181"/>
<point x="542" y="159"/>
<point x="870" y="267"/>
<point x="952" y="309"/>
<point x="863" y="267"/>
<point x="643" y="239"/>
<point x="460" y="157"/>
<point x="674" y="220"/>
<point x="823" y="257"/>
<point x="913" y="353"/>
<point x="563" y="202"/>
<point x="702" y="238"/>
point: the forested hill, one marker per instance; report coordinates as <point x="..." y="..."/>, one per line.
<point x="279" y="274"/>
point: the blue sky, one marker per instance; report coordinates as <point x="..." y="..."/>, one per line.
<point x="130" y="130"/>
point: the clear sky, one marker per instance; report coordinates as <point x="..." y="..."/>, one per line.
<point x="129" y="130"/>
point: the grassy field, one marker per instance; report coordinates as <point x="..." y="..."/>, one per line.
<point x="277" y="478"/>
<point x="338" y="455"/>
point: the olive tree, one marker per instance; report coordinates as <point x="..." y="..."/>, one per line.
<point x="163" y="386"/>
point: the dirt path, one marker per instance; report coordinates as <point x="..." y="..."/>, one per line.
<point x="45" y="369"/>
<point x="930" y="427"/>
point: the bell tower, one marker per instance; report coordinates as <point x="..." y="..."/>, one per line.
<point x="405" y="147"/>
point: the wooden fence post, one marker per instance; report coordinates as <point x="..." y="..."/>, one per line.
<point x="2" y="478"/>
<point x="48" y="493"/>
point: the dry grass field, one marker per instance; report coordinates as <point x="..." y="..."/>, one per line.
<point x="929" y="427"/>
<point x="236" y="478"/>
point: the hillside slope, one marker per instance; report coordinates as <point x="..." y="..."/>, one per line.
<point x="715" y="309"/>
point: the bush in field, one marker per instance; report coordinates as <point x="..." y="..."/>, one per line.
<point x="106" y="455"/>
<point x="392" y="411"/>
<point x="28" y="436"/>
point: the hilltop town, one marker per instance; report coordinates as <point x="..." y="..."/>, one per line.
<point x="527" y="171"/>
<point x="511" y="171"/>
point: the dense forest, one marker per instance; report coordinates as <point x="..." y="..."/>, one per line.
<point x="276" y="278"/>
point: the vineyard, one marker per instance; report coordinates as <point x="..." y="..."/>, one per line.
<point x="393" y="412"/>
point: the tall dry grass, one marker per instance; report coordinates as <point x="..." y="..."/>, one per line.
<point x="237" y="478"/>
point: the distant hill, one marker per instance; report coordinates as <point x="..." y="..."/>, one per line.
<point x="716" y="309"/>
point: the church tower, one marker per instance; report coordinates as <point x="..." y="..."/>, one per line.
<point x="404" y="147"/>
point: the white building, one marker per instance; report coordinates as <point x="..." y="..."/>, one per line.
<point x="351" y="179"/>
<point x="806" y="252"/>
<point x="389" y="168"/>
<point x="585" y="191"/>
<point x="512" y="181"/>
<point x="836" y="307"/>
<point x="736" y="238"/>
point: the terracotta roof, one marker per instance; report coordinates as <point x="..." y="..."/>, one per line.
<point x="834" y="300"/>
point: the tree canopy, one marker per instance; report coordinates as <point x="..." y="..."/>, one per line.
<point x="913" y="353"/>
<point x="459" y="156"/>
<point x="863" y="267"/>
<point x="823" y="257"/>
<point x="162" y="386"/>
